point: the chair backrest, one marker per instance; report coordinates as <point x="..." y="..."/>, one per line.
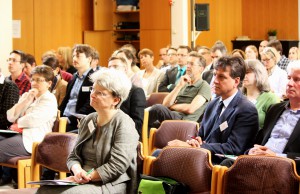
<point x="172" y="129"/>
<point x="53" y="151"/>
<point x="261" y="174"/>
<point x="191" y="166"/>
<point x="156" y="98"/>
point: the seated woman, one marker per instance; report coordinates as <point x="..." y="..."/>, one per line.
<point x="33" y="116"/>
<point x="107" y="141"/>
<point x="151" y="76"/>
<point x="257" y="88"/>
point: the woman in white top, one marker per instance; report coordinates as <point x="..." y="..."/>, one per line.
<point x="277" y="77"/>
<point x="151" y="76"/>
<point x="33" y="116"/>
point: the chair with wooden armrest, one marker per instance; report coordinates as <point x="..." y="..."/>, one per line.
<point x="154" y="98"/>
<point x="259" y="174"/>
<point x="191" y="166"/>
<point x="170" y="130"/>
<point x="23" y="163"/>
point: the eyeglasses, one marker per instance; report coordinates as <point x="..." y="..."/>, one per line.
<point x="192" y="63"/>
<point x="181" y="55"/>
<point x="98" y="93"/>
<point x="12" y="60"/>
<point x="265" y="60"/>
<point x="171" y="54"/>
<point x="116" y="66"/>
<point x="37" y="80"/>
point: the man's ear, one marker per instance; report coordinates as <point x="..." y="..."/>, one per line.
<point x="237" y="81"/>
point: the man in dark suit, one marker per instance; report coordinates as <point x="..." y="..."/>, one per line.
<point x="230" y="121"/>
<point x="281" y="132"/>
<point x="77" y="99"/>
<point x="135" y="103"/>
<point x="173" y="75"/>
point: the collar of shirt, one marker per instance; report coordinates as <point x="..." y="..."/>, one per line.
<point x="227" y="101"/>
<point x="183" y="68"/>
<point x="288" y="107"/>
<point x="21" y="77"/>
<point x="83" y="75"/>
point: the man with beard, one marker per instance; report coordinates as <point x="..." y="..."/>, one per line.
<point x="188" y="99"/>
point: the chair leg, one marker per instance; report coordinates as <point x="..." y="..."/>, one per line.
<point x="62" y="175"/>
<point x="24" y="173"/>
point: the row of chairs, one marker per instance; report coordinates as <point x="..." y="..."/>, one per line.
<point x="249" y="174"/>
<point x="23" y="163"/>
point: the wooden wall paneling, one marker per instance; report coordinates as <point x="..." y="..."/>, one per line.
<point x="103" y="14"/>
<point x="102" y="41"/>
<point x="24" y="12"/>
<point x="260" y="16"/>
<point x="225" y="22"/>
<point x="60" y="23"/>
<point x="155" y="14"/>
<point x="155" y="40"/>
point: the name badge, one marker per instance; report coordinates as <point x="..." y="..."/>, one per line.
<point x="85" y="88"/>
<point x="223" y="126"/>
<point x="91" y="126"/>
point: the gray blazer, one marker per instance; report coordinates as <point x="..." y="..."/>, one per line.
<point x="116" y="149"/>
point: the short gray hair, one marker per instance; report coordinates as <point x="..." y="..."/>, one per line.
<point x="113" y="80"/>
<point x="293" y="65"/>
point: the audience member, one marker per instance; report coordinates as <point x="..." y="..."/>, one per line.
<point x="294" y="54"/>
<point x="76" y="103"/>
<point x="64" y="57"/>
<point x="238" y="53"/>
<point x="251" y="52"/>
<point x="135" y="103"/>
<point x="164" y="59"/>
<point x="172" y="76"/>
<point x="9" y="96"/>
<point x="283" y="61"/>
<point x="205" y="52"/>
<point x="277" y="77"/>
<point x="151" y="76"/>
<point x="131" y="61"/>
<point x="132" y="49"/>
<point x="29" y="65"/>
<point x="58" y="86"/>
<point x="188" y="99"/>
<point x="16" y="63"/>
<point x="280" y="135"/>
<point x="95" y="61"/>
<point x="262" y="45"/>
<point x="32" y="117"/>
<point x="173" y="59"/>
<point x="107" y="142"/>
<point x="256" y="87"/>
<point x="230" y="121"/>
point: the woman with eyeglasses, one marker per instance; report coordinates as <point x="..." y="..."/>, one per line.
<point x="256" y="88"/>
<point x="32" y="117"/>
<point x="106" y="142"/>
<point x="276" y="76"/>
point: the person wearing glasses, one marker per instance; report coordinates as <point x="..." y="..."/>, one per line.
<point x="172" y="58"/>
<point x="32" y="117"/>
<point x="16" y="63"/>
<point x="172" y="76"/>
<point x="188" y="99"/>
<point x="276" y="76"/>
<point x="107" y="142"/>
<point x="163" y="58"/>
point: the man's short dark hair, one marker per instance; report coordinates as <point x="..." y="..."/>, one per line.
<point x="275" y="44"/>
<point x="237" y="66"/>
<point x="22" y="54"/>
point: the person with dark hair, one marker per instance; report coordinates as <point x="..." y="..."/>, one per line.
<point x="77" y="102"/>
<point x="188" y="99"/>
<point x="16" y="63"/>
<point x="230" y="121"/>
<point x="172" y="76"/>
<point x="95" y="60"/>
<point x="59" y="86"/>
<point x="29" y="65"/>
<point x="283" y="61"/>
<point x="32" y="117"/>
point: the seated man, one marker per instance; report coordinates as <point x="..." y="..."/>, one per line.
<point x="230" y="121"/>
<point x="281" y="132"/>
<point x="76" y="103"/>
<point x="188" y="99"/>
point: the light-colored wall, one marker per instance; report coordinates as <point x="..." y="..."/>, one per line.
<point x="5" y="33"/>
